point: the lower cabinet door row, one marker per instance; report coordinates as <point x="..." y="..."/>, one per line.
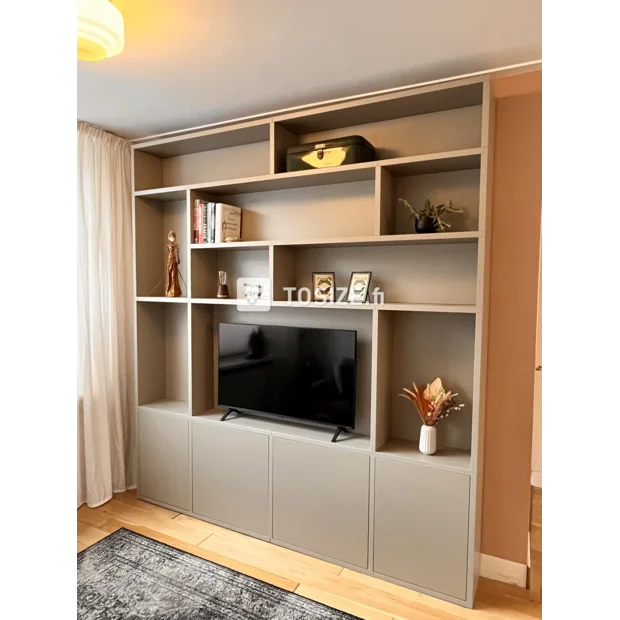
<point x="320" y="498"/>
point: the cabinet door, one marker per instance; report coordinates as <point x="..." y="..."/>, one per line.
<point x="421" y="526"/>
<point x="231" y="476"/>
<point x="164" y="457"/>
<point x="320" y="500"/>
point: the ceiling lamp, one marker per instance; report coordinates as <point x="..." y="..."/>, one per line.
<point x="100" y="30"/>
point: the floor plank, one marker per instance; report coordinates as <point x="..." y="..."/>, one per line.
<point x="283" y="562"/>
<point x="129" y="498"/>
<point x="89" y="535"/>
<point x="389" y="598"/>
<point x="191" y="522"/>
<point x="286" y="584"/>
<point x="192" y="535"/>
<point x="343" y="604"/>
<point x="91" y="516"/>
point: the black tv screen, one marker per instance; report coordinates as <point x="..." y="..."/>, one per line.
<point x="295" y="372"/>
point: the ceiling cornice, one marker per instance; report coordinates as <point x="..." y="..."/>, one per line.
<point x="509" y="70"/>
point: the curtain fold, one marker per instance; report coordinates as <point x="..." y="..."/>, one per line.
<point x="106" y="392"/>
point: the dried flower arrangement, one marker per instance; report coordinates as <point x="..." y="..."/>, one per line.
<point x="433" y="403"/>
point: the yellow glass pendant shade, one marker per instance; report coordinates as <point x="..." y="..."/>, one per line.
<point x="100" y="30"/>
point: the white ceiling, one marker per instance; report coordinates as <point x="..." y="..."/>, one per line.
<point x="192" y="62"/>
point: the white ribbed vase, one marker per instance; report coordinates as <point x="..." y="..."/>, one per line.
<point x="428" y="439"/>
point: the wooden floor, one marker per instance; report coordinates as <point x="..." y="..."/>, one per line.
<point x="355" y="593"/>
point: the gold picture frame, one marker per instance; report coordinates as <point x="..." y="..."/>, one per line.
<point x="359" y="287"/>
<point x="323" y="285"/>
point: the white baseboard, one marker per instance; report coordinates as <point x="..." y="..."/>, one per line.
<point x="503" y="570"/>
<point x="536" y="480"/>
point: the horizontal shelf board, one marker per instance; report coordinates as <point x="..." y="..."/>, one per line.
<point x="391" y="307"/>
<point x="233" y="245"/>
<point x="207" y="140"/>
<point x="448" y="459"/>
<point x="165" y="300"/>
<point x="467" y="159"/>
<point x="214" y="301"/>
<point x="327" y="306"/>
<point x="448" y="308"/>
<point x="168" y="405"/>
<point x="292" y="429"/>
<point x="448" y="161"/>
<point x="407" y="239"/>
<point x="292" y="180"/>
<point x="426" y="100"/>
<point x="163" y="194"/>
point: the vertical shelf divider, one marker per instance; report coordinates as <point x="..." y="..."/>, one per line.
<point x="384" y="201"/>
<point x="382" y="333"/>
<point x="279" y="139"/>
<point x="480" y="348"/>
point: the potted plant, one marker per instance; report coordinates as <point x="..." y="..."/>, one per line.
<point x="432" y="404"/>
<point x="431" y="218"/>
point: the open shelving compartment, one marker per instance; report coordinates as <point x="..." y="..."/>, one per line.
<point x="420" y="346"/>
<point x="162" y="346"/>
<point x="154" y="218"/>
<point x="214" y="154"/>
<point x="398" y="125"/>
<point x="406" y="274"/>
<point x="327" y="205"/>
<point x="449" y="176"/>
<point x="205" y="325"/>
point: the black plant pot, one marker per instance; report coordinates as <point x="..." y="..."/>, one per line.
<point x="426" y="224"/>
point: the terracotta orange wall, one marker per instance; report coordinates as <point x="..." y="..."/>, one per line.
<point x="517" y="187"/>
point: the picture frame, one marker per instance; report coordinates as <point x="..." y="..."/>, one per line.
<point x="359" y="287"/>
<point x="323" y="285"/>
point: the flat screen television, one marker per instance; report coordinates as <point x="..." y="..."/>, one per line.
<point x="291" y="372"/>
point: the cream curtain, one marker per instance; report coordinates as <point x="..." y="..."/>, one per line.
<point x="105" y="317"/>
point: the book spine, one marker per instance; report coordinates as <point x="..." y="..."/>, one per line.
<point x="210" y="222"/>
<point x="200" y="210"/>
<point x="213" y="214"/>
<point x="204" y="221"/>
<point x="195" y="223"/>
<point x="218" y="223"/>
<point x="208" y="226"/>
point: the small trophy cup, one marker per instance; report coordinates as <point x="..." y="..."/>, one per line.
<point x="222" y="289"/>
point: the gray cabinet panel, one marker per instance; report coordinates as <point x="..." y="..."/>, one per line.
<point x="421" y="526"/>
<point x="164" y="457"/>
<point x="320" y="500"/>
<point x="231" y="476"/>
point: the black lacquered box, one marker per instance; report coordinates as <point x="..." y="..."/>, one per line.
<point x="329" y="153"/>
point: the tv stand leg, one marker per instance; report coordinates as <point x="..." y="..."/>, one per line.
<point x="229" y="412"/>
<point x="339" y="430"/>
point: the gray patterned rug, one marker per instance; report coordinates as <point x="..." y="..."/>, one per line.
<point x="127" y="576"/>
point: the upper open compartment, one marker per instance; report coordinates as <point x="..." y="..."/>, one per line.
<point x="427" y="120"/>
<point x="214" y="154"/>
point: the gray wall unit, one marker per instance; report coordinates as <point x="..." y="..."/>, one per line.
<point x="320" y="500"/>
<point x="164" y="457"/>
<point x="371" y="502"/>
<point x="231" y="476"/>
<point x="421" y="526"/>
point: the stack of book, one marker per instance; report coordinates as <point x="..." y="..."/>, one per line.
<point x="214" y="222"/>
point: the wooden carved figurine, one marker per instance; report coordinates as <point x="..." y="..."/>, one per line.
<point x="173" y="289"/>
